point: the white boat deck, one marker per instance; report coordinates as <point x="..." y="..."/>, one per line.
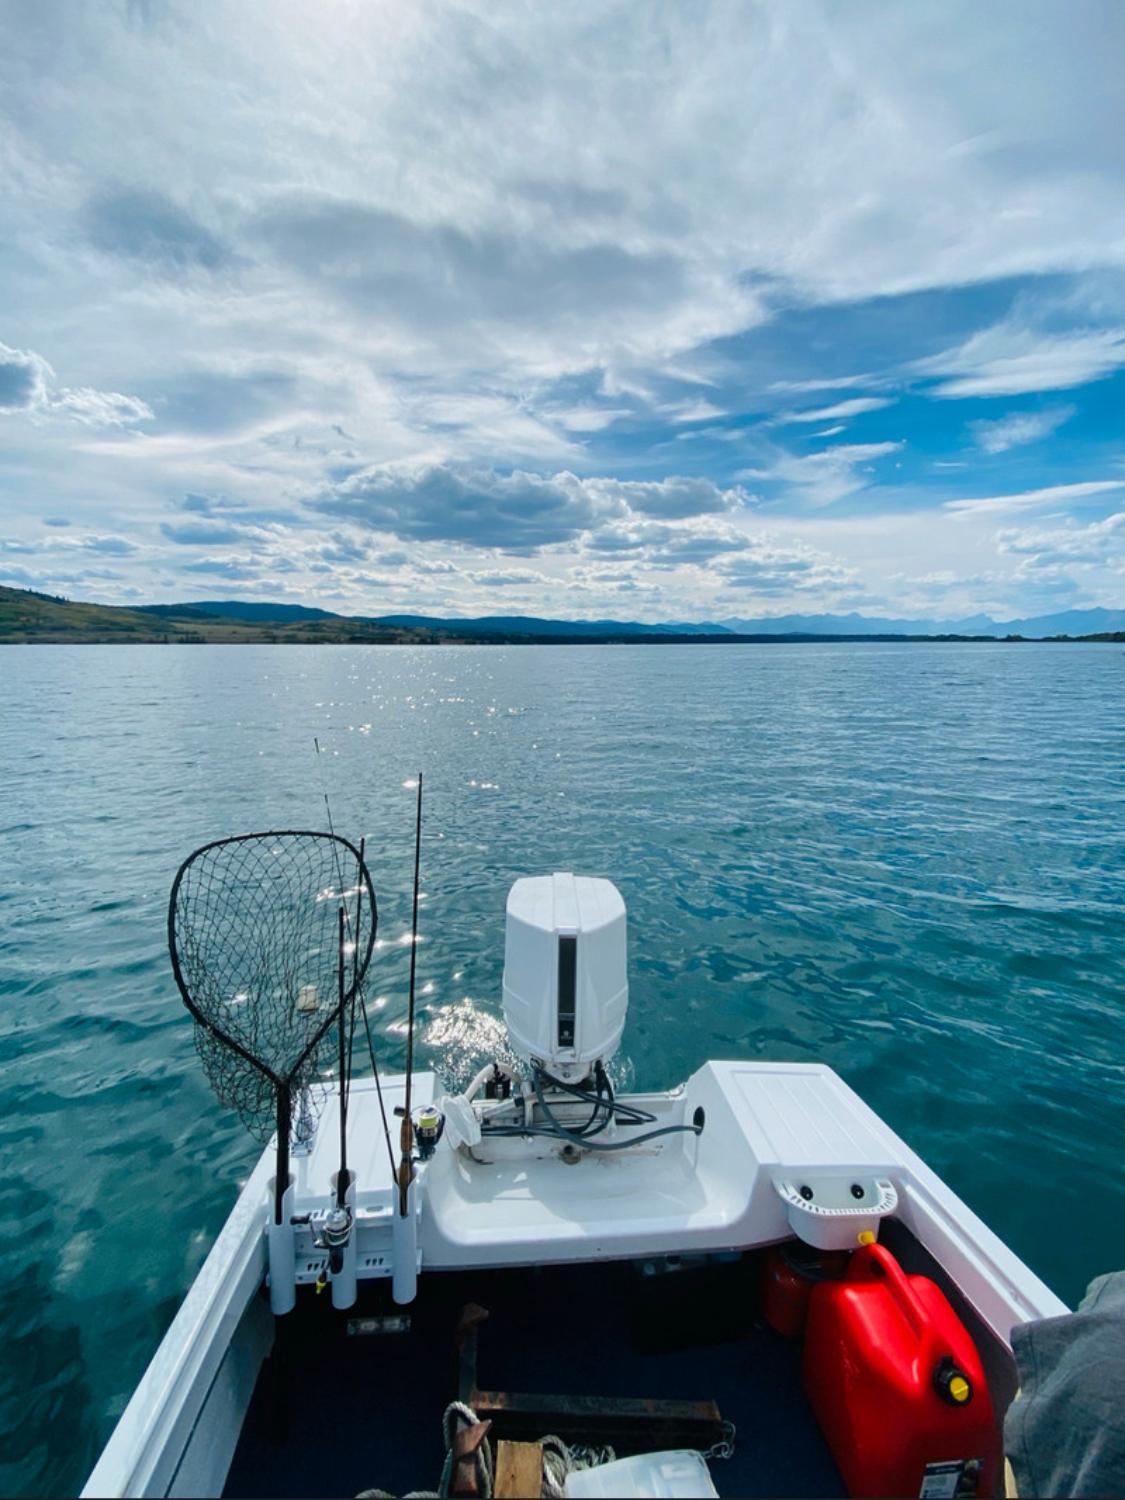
<point x="367" y="1142"/>
<point x="683" y="1194"/>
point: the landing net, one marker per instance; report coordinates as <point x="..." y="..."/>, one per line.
<point x="254" y="932"/>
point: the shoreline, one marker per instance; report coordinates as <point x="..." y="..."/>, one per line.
<point x="281" y="638"/>
<point x="30" y="618"/>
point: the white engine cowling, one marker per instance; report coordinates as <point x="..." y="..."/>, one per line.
<point x="566" y="991"/>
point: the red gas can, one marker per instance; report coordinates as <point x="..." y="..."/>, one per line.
<point x="897" y="1384"/>
<point x="789" y="1273"/>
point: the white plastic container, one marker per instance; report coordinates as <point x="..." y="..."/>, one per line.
<point x="679" y="1474"/>
<point x="566" y="991"/>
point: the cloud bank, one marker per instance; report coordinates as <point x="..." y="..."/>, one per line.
<point x="584" y="328"/>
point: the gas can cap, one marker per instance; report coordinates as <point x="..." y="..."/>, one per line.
<point x="952" y="1384"/>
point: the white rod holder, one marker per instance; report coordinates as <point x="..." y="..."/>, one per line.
<point x="344" y="1281"/>
<point x="282" y="1253"/>
<point x="404" y="1242"/>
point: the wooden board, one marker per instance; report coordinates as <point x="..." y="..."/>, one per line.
<point x="519" y="1471"/>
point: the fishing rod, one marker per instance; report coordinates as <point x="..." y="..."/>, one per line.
<point x="358" y="993"/>
<point x="345" y="1037"/>
<point x="346" y="1048"/>
<point x="351" y="1013"/>
<point x="406" y="1136"/>
<point x="335" y="1230"/>
<point x="345" y="1065"/>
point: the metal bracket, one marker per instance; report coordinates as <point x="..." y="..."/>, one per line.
<point x="639" y="1424"/>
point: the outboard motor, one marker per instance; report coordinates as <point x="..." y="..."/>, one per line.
<point x="566" y="991"/>
<point x="565" y="998"/>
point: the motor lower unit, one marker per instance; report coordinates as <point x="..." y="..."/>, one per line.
<point x="565" y="987"/>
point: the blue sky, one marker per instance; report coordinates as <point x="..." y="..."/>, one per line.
<point x="664" y="311"/>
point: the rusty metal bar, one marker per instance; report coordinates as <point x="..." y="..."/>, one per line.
<point x="467" y="1442"/>
<point x="626" y="1422"/>
<point x="631" y="1423"/>
<point x="472" y="1316"/>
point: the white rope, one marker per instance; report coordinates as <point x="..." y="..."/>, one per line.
<point x="456" y="1412"/>
<point x="559" y="1460"/>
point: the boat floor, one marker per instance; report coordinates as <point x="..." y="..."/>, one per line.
<point x="365" y="1411"/>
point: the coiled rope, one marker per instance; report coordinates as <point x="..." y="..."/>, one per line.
<point x="559" y="1460"/>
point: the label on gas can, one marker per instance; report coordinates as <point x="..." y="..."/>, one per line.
<point x="942" y="1481"/>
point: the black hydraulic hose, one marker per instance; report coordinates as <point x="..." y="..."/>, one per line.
<point x="637" y="1140"/>
<point x="588" y="1145"/>
<point x="602" y="1101"/>
<point x="560" y="1131"/>
<point x="603" y="1105"/>
<point x="623" y="1114"/>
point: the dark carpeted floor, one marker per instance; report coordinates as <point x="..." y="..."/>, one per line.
<point x="365" y="1412"/>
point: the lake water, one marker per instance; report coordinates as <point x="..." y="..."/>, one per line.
<point x="902" y="860"/>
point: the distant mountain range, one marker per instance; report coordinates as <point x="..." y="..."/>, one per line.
<point x="29" y="616"/>
<point x="1068" y="622"/>
<point x="531" y="625"/>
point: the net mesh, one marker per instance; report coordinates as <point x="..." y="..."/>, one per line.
<point x="253" y="929"/>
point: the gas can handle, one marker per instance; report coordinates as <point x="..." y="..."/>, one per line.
<point x="876" y="1263"/>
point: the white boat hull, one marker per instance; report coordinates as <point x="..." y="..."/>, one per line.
<point x="522" y="1203"/>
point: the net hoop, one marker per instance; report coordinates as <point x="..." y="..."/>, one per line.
<point x="358" y="967"/>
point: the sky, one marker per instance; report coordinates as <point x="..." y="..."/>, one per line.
<point x="655" y="311"/>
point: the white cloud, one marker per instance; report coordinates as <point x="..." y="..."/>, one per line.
<point x="101" y="408"/>
<point x="27" y="384"/>
<point x="203" y="533"/>
<point x="671" y="499"/>
<point x="516" y="512"/>
<point x="842" y="409"/>
<point x="1095" y="543"/>
<point x="111" y="546"/>
<point x="1055" y="494"/>
<point x="411" y="314"/>
<point x="1009" y="360"/>
<point x="771" y="568"/>
<point x="838" y="383"/>
<point x="692" y="411"/>
<point x="828" y="475"/>
<point x="1019" y="428"/>
<point x="24" y="379"/>
<point x="505" y="577"/>
<point x="587" y="418"/>
<point x="545" y="217"/>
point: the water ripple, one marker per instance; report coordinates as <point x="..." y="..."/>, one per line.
<point x="905" y="861"/>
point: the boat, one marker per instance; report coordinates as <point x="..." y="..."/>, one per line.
<point x="747" y="1284"/>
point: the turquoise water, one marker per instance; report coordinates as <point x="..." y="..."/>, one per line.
<point x="903" y="860"/>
